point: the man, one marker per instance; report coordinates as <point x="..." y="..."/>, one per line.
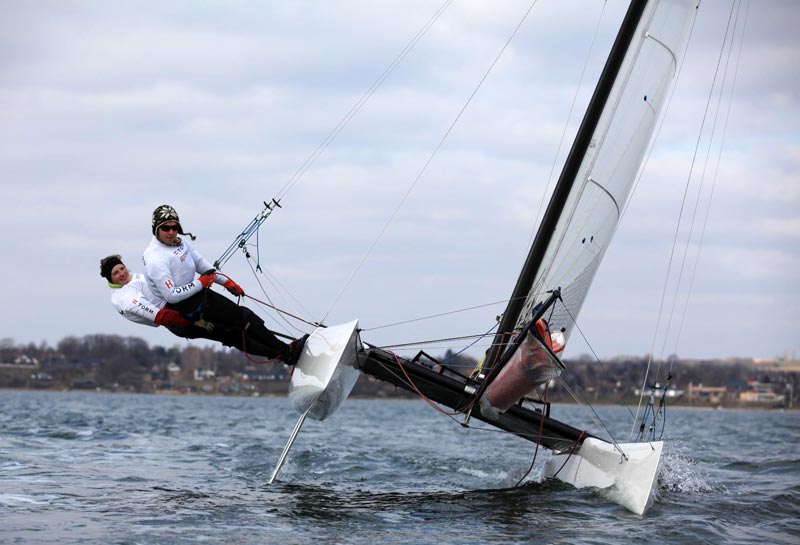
<point x="170" y="265"/>
<point x="134" y="300"/>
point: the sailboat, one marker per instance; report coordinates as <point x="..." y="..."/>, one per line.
<point x="575" y="231"/>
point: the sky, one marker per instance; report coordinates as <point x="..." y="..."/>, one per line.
<point x="109" y="109"/>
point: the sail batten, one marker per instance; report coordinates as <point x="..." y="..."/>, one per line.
<point x="598" y="175"/>
<point x="583" y="140"/>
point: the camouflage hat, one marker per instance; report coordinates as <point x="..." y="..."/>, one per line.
<point x="163" y="214"/>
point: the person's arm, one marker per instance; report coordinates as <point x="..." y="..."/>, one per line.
<point x="202" y="266"/>
<point x="162" y="280"/>
<point x="136" y="308"/>
<point x="169" y="317"/>
<point x="132" y="306"/>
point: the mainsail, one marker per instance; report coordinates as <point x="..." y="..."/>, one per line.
<point x="601" y="168"/>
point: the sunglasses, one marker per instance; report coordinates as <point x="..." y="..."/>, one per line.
<point x="166" y="228"/>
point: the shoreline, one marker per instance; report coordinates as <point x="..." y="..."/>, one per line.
<point x="384" y="397"/>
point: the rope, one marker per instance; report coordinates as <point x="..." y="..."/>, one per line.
<point x="255" y="224"/>
<point x="702" y="178"/>
<point x="677" y="227"/>
<point x="592" y="414"/>
<point x="250" y="358"/>
<point x="536" y="450"/>
<point x="660" y="413"/>
<point x="428" y="162"/>
<point x="247" y="355"/>
<point x="468" y="407"/>
<point x="423" y="396"/>
<point x="422" y="343"/>
<point x="571" y="452"/>
<point x="271" y="304"/>
<point x="473" y="343"/>
<point x="719" y="159"/>
<point x="251" y="228"/>
<point x="281" y="311"/>
<point x="597" y="359"/>
<point x="290" y="183"/>
<point x="439" y="315"/>
<point x="452" y="415"/>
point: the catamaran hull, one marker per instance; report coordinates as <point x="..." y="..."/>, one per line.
<point x="333" y="358"/>
<point x="326" y="371"/>
<point x="628" y="481"/>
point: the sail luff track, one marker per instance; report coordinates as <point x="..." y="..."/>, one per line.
<point x="566" y="180"/>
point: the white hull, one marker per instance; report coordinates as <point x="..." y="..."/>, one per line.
<point x="627" y="481"/>
<point x="327" y="370"/>
<point x="323" y="377"/>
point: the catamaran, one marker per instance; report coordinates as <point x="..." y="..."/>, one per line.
<point x="504" y="390"/>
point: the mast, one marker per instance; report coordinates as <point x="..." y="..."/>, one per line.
<point x="566" y="181"/>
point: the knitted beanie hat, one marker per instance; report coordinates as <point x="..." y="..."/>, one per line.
<point x="162" y="215"/>
<point x="107" y="264"/>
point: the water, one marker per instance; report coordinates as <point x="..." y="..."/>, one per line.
<point x="130" y="469"/>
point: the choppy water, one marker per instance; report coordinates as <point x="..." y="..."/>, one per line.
<point x="128" y="469"/>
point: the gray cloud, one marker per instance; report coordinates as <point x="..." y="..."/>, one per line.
<point x="108" y="110"/>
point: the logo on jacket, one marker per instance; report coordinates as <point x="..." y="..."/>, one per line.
<point x="169" y="284"/>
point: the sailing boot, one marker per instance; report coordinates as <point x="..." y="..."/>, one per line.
<point x="295" y="350"/>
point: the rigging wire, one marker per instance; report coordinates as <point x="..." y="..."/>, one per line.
<point x="281" y="289"/>
<point x="704" y="170"/>
<point x="417" y="347"/>
<point x="255" y="224"/>
<point x="281" y="313"/>
<point x="677" y="227"/>
<point x="592" y="413"/>
<point x="716" y="170"/>
<point x="430" y="316"/>
<point x="579" y="399"/>
<point x="466" y="425"/>
<point x="470" y="345"/>
<point x="429" y="160"/>
<point x="303" y="310"/>
<point x="252" y="228"/>
<point x="452" y="414"/>
<point x="660" y="413"/>
<point x="536" y="449"/>
<point x="421" y="343"/>
<point x="598" y="360"/>
<point x="292" y="181"/>
<point x="426" y="398"/>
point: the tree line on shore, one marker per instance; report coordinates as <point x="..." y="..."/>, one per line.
<point x="113" y="362"/>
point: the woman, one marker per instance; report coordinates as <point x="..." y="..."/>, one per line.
<point x="171" y="262"/>
<point x="134" y="300"/>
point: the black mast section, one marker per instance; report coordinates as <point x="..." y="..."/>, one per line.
<point x="567" y="179"/>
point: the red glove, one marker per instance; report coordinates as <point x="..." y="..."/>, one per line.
<point x="207" y="279"/>
<point x="167" y="316"/>
<point x="233" y="287"/>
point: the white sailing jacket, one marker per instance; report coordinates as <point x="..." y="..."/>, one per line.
<point x="136" y="302"/>
<point x="170" y="270"/>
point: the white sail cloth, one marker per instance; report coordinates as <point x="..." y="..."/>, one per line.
<point x="609" y="168"/>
